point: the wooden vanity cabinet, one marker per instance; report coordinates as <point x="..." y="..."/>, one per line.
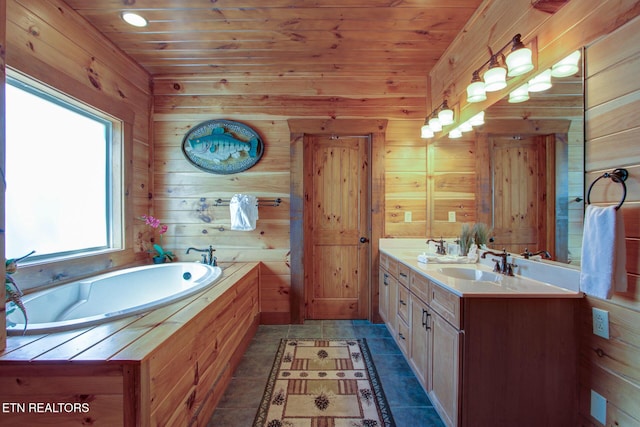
<point x="445" y="375"/>
<point x="498" y="361"/>
<point x="388" y="289"/>
<point x="421" y="341"/>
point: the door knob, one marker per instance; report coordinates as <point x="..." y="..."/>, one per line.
<point x="363" y="240"/>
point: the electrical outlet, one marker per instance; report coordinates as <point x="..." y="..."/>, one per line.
<point x="452" y="216"/>
<point x="600" y="322"/>
<point x="407" y="216"/>
<point x="598" y="407"/>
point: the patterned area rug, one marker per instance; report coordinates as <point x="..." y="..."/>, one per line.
<point x="323" y="383"/>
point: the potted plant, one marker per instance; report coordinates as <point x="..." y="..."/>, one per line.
<point x="13" y="294"/>
<point x="160" y="255"/>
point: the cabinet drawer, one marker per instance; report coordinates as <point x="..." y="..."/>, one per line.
<point x="403" y="335"/>
<point x="389" y="264"/>
<point x="403" y="303"/>
<point x="446" y="304"/>
<point x="403" y="274"/>
<point x="419" y="285"/>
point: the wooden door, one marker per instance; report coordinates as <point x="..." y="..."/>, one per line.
<point x="336" y="258"/>
<point x="521" y="215"/>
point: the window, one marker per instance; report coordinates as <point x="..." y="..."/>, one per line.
<point x="60" y="187"/>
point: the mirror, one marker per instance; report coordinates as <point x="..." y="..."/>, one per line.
<point x="537" y="170"/>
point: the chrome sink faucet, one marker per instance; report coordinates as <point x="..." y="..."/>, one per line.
<point x="502" y="266"/>
<point x="440" y="249"/>
<point x="526" y="254"/>
<point x="207" y="257"/>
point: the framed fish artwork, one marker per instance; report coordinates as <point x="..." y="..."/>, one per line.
<point x="222" y="146"/>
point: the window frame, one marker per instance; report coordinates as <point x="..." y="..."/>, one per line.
<point x="115" y="179"/>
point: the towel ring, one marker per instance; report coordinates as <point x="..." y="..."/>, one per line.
<point x="619" y="176"/>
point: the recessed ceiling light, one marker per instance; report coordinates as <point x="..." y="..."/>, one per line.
<point x="134" y="19"/>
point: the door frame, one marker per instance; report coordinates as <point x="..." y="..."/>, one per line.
<point x="376" y="129"/>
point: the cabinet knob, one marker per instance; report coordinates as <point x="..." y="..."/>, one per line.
<point x="401" y="336"/>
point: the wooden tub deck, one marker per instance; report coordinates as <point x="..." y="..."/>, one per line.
<point x="167" y="366"/>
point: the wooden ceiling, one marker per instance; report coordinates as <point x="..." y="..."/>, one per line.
<point x="385" y="38"/>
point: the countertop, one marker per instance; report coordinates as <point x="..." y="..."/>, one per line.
<point x="503" y="287"/>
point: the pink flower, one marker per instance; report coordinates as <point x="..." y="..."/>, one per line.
<point x="163" y="229"/>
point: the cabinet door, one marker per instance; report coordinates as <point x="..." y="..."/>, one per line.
<point x="445" y="377"/>
<point x="420" y="341"/>
<point x="383" y="297"/>
<point x="392" y="307"/>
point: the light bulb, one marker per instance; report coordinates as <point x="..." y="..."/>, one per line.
<point x="134" y="19"/>
<point x="495" y="79"/>
<point x="566" y="67"/>
<point x="434" y="124"/>
<point x="519" y="62"/>
<point x="426" y="132"/>
<point x="540" y="82"/>
<point x="476" y="92"/>
<point x="445" y="116"/>
<point x="519" y="94"/>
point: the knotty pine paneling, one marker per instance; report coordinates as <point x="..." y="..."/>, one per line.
<point x="183" y="196"/>
<point x="50" y="42"/>
<point x="405" y="165"/>
<point x="451" y="185"/>
<point x="3" y="319"/>
<point x="612" y="367"/>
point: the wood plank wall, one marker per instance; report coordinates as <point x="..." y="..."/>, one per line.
<point x="3" y="14"/>
<point x="48" y="41"/>
<point x="183" y="195"/>
<point x="612" y="367"/>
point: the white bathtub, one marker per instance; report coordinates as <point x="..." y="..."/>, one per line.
<point x="110" y="296"/>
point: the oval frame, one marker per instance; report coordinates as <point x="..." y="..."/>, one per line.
<point x="222" y="146"/>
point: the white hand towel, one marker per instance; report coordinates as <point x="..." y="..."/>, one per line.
<point x="244" y="212"/>
<point x="603" y="269"/>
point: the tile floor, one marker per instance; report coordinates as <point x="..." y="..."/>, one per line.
<point x="409" y="404"/>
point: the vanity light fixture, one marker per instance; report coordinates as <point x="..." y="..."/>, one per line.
<point x="519" y="59"/>
<point x="519" y="94"/>
<point x="425" y="130"/>
<point x="445" y="115"/>
<point x="541" y="82"/>
<point x="134" y="19"/>
<point x="517" y="62"/>
<point x="567" y="66"/>
<point x="434" y="123"/>
<point x="475" y="90"/>
<point x="496" y="76"/>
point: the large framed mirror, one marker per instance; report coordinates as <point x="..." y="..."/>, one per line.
<point x="536" y="151"/>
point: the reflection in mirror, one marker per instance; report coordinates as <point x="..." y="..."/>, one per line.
<point x="537" y="170"/>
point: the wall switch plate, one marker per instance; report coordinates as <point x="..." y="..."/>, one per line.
<point x="600" y="322"/>
<point x="598" y="407"/>
<point x="452" y="216"/>
<point x="407" y="216"/>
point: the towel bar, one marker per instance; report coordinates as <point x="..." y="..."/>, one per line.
<point x="267" y="202"/>
<point x="619" y="176"/>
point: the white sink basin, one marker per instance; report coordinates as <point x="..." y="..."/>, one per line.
<point x="470" y="274"/>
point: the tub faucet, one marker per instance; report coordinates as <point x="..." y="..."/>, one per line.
<point x="207" y="257"/>
<point x="440" y="250"/>
<point x="526" y="254"/>
<point x="502" y="266"/>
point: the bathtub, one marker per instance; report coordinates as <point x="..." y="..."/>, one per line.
<point x="110" y="296"/>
